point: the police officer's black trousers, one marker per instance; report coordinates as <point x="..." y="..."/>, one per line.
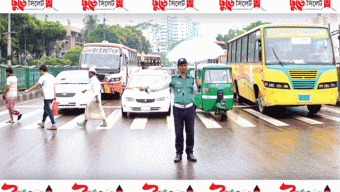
<point x="184" y="117"/>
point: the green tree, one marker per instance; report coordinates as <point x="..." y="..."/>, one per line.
<point x="51" y="33"/>
<point x="73" y="54"/>
<point x="91" y="23"/>
<point x="254" y="25"/>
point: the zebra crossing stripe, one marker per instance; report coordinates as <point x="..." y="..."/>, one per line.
<point x="170" y="122"/>
<point x="35" y="124"/>
<point x="308" y="120"/>
<point x="266" y="118"/>
<point x="111" y="119"/>
<point x="328" y="117"/>
<point x="329" y="109"/>
<point x="73" y="123"/>
<point x="209" y="122"/>
<point x="24" y="116"/>
<point x="239" y="120"/>
<point x="4" y="113"/>
<point x="138" y="123"/>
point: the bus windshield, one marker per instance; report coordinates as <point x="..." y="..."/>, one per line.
<point x="100" y="57"/>
<point x="298" y="46"/>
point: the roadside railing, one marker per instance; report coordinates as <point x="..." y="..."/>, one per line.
<point x="29" y="76"/>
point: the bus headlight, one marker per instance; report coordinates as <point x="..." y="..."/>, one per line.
<point x="115" y="79"/>
<point x="327" y="85"/>
<point x="276" y="85"/>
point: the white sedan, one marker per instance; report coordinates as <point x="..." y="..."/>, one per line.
<point x="69" y="86"/>
<point x="135" y="101"/>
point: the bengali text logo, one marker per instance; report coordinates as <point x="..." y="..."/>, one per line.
<point x="239" y="4"/>
<point x="172" y="5"/>
<point x="31" y="5"/>
<point x="310" y="5"/>
<point x="102" y="4"/>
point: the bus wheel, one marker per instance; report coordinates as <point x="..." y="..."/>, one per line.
<point x="314" y="108"/>
<point x="260" y="106"/>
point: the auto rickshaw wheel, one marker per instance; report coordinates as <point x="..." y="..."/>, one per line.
<point x="222" y="115"/>
<point x="260" y="106"/>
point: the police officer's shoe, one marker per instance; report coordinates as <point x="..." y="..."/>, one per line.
<point x="178" y="158"/>
<point x="191" y="157"/>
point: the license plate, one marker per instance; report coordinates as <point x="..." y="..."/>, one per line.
<point x="145" y="108"/>
<point x="304" y="98"/>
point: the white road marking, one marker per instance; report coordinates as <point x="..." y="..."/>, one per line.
<point x="308" y="120"/>
<point x="243" y="106"/>
<point x="4" y="113"/>
<point x="24" y="116"/>
<point x="73" y="123"/>
<point x="111" y="119"/>
<point x="239" y="120"/>
<point x="35" y="124"/>
<point x="330" y="109"/>
<point x="328" y="117"/>
<point x="39" y="106"/>
<point x="138" y="123"/>
<point x="209" y="122"/>
<point x="266" y="118"/>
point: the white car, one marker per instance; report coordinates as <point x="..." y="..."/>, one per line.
<point x="135" y="101"/>
<point x="69" y="86"/>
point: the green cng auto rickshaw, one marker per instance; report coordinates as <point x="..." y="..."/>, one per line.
<point x="217" y="89"/>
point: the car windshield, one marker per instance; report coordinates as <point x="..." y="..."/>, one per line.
<point x="146" y="80"/>
<point x="298" y="46"/>
<point x="100" y="57"/>
<point x="73" y="77"/>
<point x="213" y="76"/>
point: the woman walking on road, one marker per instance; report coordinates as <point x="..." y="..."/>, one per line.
<point x="11" y="94"/>
<point x="94" y="110"/>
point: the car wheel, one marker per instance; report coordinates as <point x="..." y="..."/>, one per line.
<point x="313" y="108"/>
<point x="124" y="114"/>
<point x="169" y="111"/>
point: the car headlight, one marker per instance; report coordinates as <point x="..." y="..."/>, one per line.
<point x="327" y="85"/>
<point x="160" y="99"/>
<point x="276" y="85"/>
<point x="129" y="99"/>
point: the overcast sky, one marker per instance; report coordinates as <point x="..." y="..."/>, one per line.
<point x="211" y="24"/>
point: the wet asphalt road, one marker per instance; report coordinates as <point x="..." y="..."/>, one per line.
<point x="288" y="144"/>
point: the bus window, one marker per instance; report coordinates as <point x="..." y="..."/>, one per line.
<point x="233" y="52"/>
<point x="238" y="51"/>
<point x="251" y="47"/>
<point x="244" y="49"/>
<point x="229" y="53"/>
<point x="258" y="50"/>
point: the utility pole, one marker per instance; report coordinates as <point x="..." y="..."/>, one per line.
<point x="0" y="43"/>
<point x="9" y="52"/>
<point x="25" y="39"/>
<point x="104" y="28"/>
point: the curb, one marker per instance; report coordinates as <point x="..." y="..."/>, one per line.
<point x="25" y="97"/>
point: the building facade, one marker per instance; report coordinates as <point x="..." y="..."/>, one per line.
<point x="73" y="38"/>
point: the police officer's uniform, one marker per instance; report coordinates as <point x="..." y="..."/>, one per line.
<point x="183" y="111"/>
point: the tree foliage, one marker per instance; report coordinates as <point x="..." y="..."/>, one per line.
<point x="232" y="33"/>
<point x="40" y="36"/>
<point x="73" y="54"/>
<point x="128" y="36"/>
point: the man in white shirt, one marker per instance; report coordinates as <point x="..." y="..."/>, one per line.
<point x="48" y="85"/>
<point x="94" y="110"/>
<point x="11" y="94"/>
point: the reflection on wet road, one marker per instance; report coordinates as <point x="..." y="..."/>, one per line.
<point x="287" y="144"/>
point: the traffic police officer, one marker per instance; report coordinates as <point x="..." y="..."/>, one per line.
<point x="184" y="89"/>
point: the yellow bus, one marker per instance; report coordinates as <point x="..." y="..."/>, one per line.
<point x="284" y="65"/>
<point x="109" y="60"/>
